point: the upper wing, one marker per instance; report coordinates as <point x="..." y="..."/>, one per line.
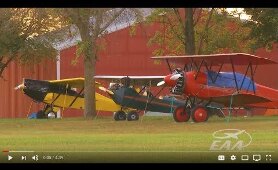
<point x="217" y="59"/>
<point x="73" y="82"/>
<point x="131" y="77"/>
<point x="239" y="99"/>
<point x="138" y="80"/>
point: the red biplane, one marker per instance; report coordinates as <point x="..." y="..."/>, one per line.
<point x="202" y="84"/>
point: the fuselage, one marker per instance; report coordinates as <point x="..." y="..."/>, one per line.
<point x="129" y="97"/>
<point x="211" y="84"/>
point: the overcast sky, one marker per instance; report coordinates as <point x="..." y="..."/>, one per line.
<point x="239" y="11"/>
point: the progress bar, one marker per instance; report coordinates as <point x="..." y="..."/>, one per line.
<point x="6" y="151"/>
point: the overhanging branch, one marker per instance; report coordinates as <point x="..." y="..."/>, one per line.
<point x="116" y="15"/>
<point x="3" y="65"/>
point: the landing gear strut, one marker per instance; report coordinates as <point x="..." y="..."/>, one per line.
<point x="46" y="113"/>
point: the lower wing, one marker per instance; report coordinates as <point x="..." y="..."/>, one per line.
<point x="239" y="100"/>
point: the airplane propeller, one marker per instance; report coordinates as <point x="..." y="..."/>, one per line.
<point x="21" y="86"/>
<point x="106" y="90"/>
<point x="160" y="83"/>
<point x="175" y="76"/>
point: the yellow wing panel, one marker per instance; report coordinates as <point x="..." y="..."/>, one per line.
<point x="73" y="82"/>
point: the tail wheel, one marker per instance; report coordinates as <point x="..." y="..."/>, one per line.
<point x="132" y="115"/>
<point x="200" y="114"/>
<point x="119" y="115"/>
<point x="181" y="114"/>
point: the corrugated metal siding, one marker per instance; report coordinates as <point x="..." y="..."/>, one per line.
<point x="14" y="103"/>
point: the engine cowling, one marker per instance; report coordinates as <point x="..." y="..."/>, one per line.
<point x="176" y="81"/>
<point x="178" y="89"/>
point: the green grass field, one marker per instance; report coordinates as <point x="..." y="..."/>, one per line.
<point x="151" y="139"/>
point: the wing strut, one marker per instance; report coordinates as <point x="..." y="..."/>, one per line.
<point x="210" y="76"/>
<point x="153" y="97"/>
<point x="233" y="67"/>
<point x="199" y="68"/>
<point x="211" y="65"/>
<point x="55" y="99"/>
<point x="193" y="62"/>
<point x="185" y="68"/>
<point x="143" y="88"/>
<point x="252" y="78"/>
<point x="245" y="75"/>
<point x="170" y="69"/>
<point x="218" y="73"/>
<point x="76" y="97"/>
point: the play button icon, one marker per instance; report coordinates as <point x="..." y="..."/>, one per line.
<point x="9" y="157"/>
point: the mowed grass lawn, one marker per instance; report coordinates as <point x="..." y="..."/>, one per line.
<point x="157" y="139"/>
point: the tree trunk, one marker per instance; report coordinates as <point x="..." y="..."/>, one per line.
<point x="89" y="90"/>
<point x="89" y="72"/>
<point x="205" y="32"/>
<point x="189" y="32"/>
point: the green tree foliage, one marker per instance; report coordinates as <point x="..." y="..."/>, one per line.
<point x="263" y="25"/>
<point x="214" y="30"/>
<point x="222" y="33"/>
<point x="19" y="36"/>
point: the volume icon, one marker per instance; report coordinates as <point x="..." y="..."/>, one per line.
<point x="36" y="157"/>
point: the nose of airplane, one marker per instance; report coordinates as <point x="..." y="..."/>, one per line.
<point x="168" y="81"/>
<point x="21" y="86"/>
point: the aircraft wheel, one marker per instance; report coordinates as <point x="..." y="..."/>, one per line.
<point x="51" y="115"/>
<point x="181" y="114"/>
<point x="200" y="114"/>
<point x="132" y="115"/>
<point x="119" y="115"/>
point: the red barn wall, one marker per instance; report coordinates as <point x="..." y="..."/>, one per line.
<point x="14" y="104"/>
<point x="266" y="75"/>
<point x="123" y="55"/>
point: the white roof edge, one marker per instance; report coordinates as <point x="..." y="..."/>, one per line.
<point x="72" y="41"/>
